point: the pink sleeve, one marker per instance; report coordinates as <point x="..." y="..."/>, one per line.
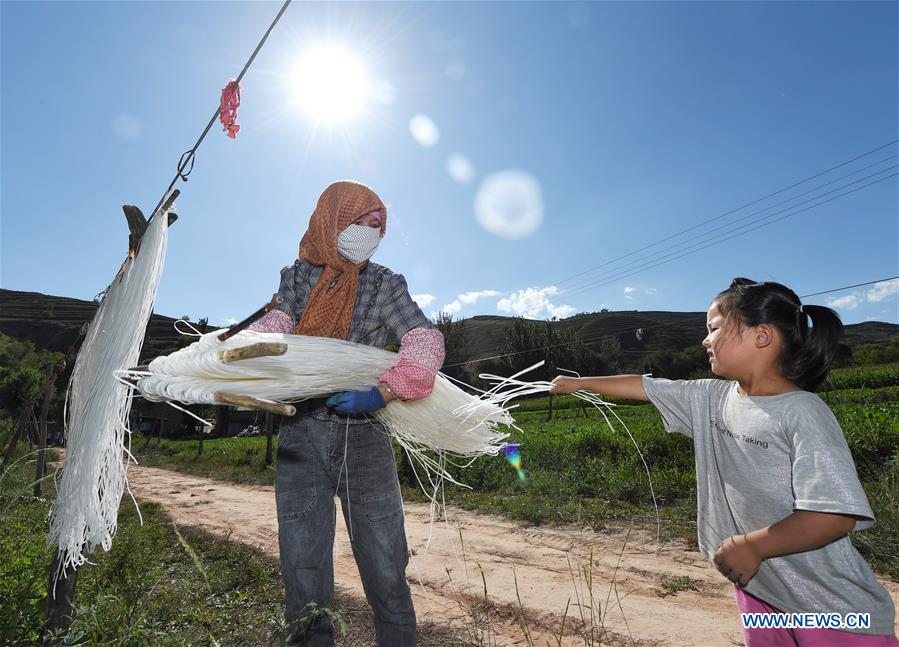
<point x="421" y="356"/>
<point x="274" y="321"/>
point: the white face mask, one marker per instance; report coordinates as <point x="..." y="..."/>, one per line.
<point x="357" y="243"/>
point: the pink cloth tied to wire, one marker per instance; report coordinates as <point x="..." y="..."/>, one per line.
<point x="412" y="378"/>
<point x="228" y="112"/>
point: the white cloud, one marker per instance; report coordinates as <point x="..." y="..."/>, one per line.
<point x="453" y="307"/>
<point x="509" y="204"/>
<point x="650" y="290"/>
<point x="424" y="130"/>
<point x="467" y="298"/>
<point x="471" y="297"/>
<point x="423" y="300"/>
<point x="882" y="290"/>
<point x="532" y="302"/>
<point x="628" y="289"/>
<point x="231" y="321"/>
<point x="848" y="302"/>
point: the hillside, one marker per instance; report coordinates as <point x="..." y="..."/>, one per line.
<point x="53" y="323"/>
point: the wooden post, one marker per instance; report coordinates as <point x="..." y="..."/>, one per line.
<point x="60" y="601"/>
<point x="42" y="436"/>
<point x="269" y="425"/>
<point x="148" y="436"/>
<point x="200" y="440"/>
<point x="33" y="430"/>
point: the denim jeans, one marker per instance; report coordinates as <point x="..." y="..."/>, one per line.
<point x="320" y="456"/>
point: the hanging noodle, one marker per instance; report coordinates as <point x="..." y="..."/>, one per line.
<point x="93" y="475"/>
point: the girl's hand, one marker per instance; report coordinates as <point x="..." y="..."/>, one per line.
<point x="737" y="559"/>
<point x="563" y="384"/>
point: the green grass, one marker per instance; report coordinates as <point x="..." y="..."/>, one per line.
<point x="857" y="377"/>
<point x="238" y="460"/>
<point x="147" y="589"/>
<point x="158" y="585"/>
<point x="581" y="472"/>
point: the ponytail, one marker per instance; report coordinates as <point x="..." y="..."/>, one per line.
<point x="808" y="350"/>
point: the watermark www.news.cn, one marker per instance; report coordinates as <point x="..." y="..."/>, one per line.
<point x="806" y="620"/>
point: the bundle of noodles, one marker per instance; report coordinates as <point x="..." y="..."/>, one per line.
<point x="448" y="424"/>
<point x="93" y="475"/>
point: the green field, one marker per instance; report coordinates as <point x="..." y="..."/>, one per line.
<point x="148" y="589"/>
<point x="580" y="471"/>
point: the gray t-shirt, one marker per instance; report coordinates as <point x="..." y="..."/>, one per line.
<point x="758" y="460"/>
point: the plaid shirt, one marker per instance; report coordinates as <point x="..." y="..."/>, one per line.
<point x="384" y="310"/>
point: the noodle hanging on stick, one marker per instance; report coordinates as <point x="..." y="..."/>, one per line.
<point x="94" y="476"/>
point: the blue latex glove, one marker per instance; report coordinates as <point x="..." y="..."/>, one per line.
<point x="355" y="402"/>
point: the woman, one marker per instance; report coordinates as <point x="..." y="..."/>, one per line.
<point x="330" y="447"/>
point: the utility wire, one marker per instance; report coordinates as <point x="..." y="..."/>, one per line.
<point x="748" y="204"/>
<point x="677" y="255"/>
<point x="648" y="261"/>
<point x="754" y="213"/>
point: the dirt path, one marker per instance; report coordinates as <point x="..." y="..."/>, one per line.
<point x="540" y="557"/>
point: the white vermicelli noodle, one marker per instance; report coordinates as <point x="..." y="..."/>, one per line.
<point x="448" y="423"/>
<point x="93" y="476"/>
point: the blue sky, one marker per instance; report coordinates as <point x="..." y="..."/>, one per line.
<point x="579" y="132"/>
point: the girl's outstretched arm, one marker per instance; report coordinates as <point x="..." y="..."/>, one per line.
<point x="618" y="386"/>
<point x="739" y="557"/>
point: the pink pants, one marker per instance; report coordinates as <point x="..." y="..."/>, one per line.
<point x="748" y="603"/>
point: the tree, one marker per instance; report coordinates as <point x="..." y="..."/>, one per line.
<point x="455" y="339"/>
<point x="529" y="342"/>
<point x="610" y="356"/>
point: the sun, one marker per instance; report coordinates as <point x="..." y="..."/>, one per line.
<point x="330" y="85"/>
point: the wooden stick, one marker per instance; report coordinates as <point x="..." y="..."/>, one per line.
<point x="269" y="425"/>
<point x="249" y="402"/>
<point x="171" y="200"/>
<point x="59" y="606"/>
<point x="261" y="349"/>
<point x="42" y="434"/>
<point x="246" y="323"/>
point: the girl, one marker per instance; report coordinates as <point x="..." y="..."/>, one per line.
<point x="329" y="447"/>
<point x="777" y="489"/>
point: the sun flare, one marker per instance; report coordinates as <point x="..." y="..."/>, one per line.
<point x="331" y="85"/>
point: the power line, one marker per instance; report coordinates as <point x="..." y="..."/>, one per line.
<point x="653" y="264"/>
<point x="849" y="287"/>
<point x="748" y="204"/>
<point x="730" y="224"/>
<point x="649" y="262"/>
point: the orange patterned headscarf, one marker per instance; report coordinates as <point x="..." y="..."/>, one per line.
<point x="329" y="307"/>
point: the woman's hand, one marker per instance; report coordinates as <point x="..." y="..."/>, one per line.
<point x="357" y="402"/>
<point x="737" y="559"/>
